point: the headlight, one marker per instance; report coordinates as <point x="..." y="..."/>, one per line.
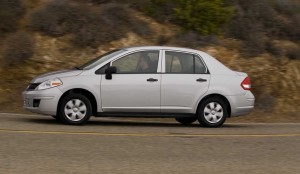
<point x="49" y="84"/>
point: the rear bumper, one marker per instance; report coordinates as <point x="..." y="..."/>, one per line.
<point x="242" y="104"/>
<point x="46" y="101"/>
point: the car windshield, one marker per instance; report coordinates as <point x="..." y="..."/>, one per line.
<point x="94" y="62"/>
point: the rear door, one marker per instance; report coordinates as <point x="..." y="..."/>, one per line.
<point x="184" y="81"/>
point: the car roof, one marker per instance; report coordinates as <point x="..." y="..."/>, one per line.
<point x="161" y="48"/>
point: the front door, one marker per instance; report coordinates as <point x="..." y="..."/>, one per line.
<point x="136" y="85"/>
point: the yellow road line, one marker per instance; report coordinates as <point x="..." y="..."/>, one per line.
<point x="145" y="134"/>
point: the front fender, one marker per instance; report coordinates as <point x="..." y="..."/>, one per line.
<point x="90" y="83"/>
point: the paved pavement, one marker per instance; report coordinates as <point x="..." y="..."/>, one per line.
<point x="37" y="144"/>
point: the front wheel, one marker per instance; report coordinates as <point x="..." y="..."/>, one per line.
<point x="212" y="112"/>
<point x="74" y="109"/>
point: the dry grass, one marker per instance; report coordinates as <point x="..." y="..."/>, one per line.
<point x="275" y="82"/>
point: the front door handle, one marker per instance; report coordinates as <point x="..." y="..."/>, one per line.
<point x="201" y="80"/>
<point x="152" y="80"/>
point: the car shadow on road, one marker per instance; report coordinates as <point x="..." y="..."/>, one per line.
<point x="130" y="123"/>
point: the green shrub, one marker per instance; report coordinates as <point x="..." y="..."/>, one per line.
<point x="205" y="17"/>
<point x="162" y="10"/>
<point x="18" y="47"/>
<point x="202" y="16"/>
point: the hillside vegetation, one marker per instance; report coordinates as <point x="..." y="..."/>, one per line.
<point x="260" y="37"/>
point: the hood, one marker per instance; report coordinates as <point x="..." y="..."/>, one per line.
<point x="56" y="74"/>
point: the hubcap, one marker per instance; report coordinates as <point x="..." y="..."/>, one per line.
<point x="213" y="112"/>
<point x="75" y="110"/>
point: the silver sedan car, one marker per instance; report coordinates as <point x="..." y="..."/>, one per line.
<point x="149" y="81"/>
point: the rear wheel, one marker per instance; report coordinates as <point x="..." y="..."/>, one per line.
<point x="186" y="120"/>
<point x="75" y="109"/>
<point x="212" y="112"/>
<point x="57" y="118"/>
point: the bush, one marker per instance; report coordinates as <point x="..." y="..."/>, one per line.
<point x="254" y="45"/>
<point x="287" y="7"/>
<point x="10" y="13"/>
<point x="253" y="22"/>
<point x="205" y="17"/>
<point x="110" y="22"/>
<point x="56" y="18"/>
<point x="293" y="53"/>
<point x="291" y="29"/>
<point x="99" y="1"/>
<point x="162" y="10"/>
<point x="90" y="25"/>
<point x="266" y="102"/>
<point x="273" y="49"/>
<point x="18" y="47"/>
<point x="202" y="16"/>
<point x="289" y="25"/>
<point x="120" y="18"/>
<point x="193" y="39"/>
<point x="256" y="21"/>
<point x="250" y="33"/>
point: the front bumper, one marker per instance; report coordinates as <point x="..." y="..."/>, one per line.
<point x="242" y="104"/>
<point x="42" y="101"/>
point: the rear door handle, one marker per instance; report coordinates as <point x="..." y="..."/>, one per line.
<point x="152" y="80"/>
<point x="201" y="80"/>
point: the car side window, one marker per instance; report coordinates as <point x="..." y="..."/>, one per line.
<point x="173" y="64"/>
<point x="184" y="63"/>
<point x="138" y="63"/>
<point x="200" y="68"/>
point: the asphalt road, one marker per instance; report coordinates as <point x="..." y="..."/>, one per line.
<point x="37" y="144"/>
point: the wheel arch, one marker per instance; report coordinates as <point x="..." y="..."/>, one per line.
<point x="84" y="92"/>
<point x="228" y="106"/>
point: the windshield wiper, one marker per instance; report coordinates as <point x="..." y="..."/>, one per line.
<point x="77" y="68"/>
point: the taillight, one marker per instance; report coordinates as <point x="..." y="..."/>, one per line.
<point x="246" y="85"/>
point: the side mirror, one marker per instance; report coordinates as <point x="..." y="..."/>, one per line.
<point x="109" y="71"/>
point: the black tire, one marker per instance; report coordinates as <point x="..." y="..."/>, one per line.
<point x="65" y="117"/>
<point x="56" y="118"/>
<point x="212" y="119"/>
<point x="186" y="120"/>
